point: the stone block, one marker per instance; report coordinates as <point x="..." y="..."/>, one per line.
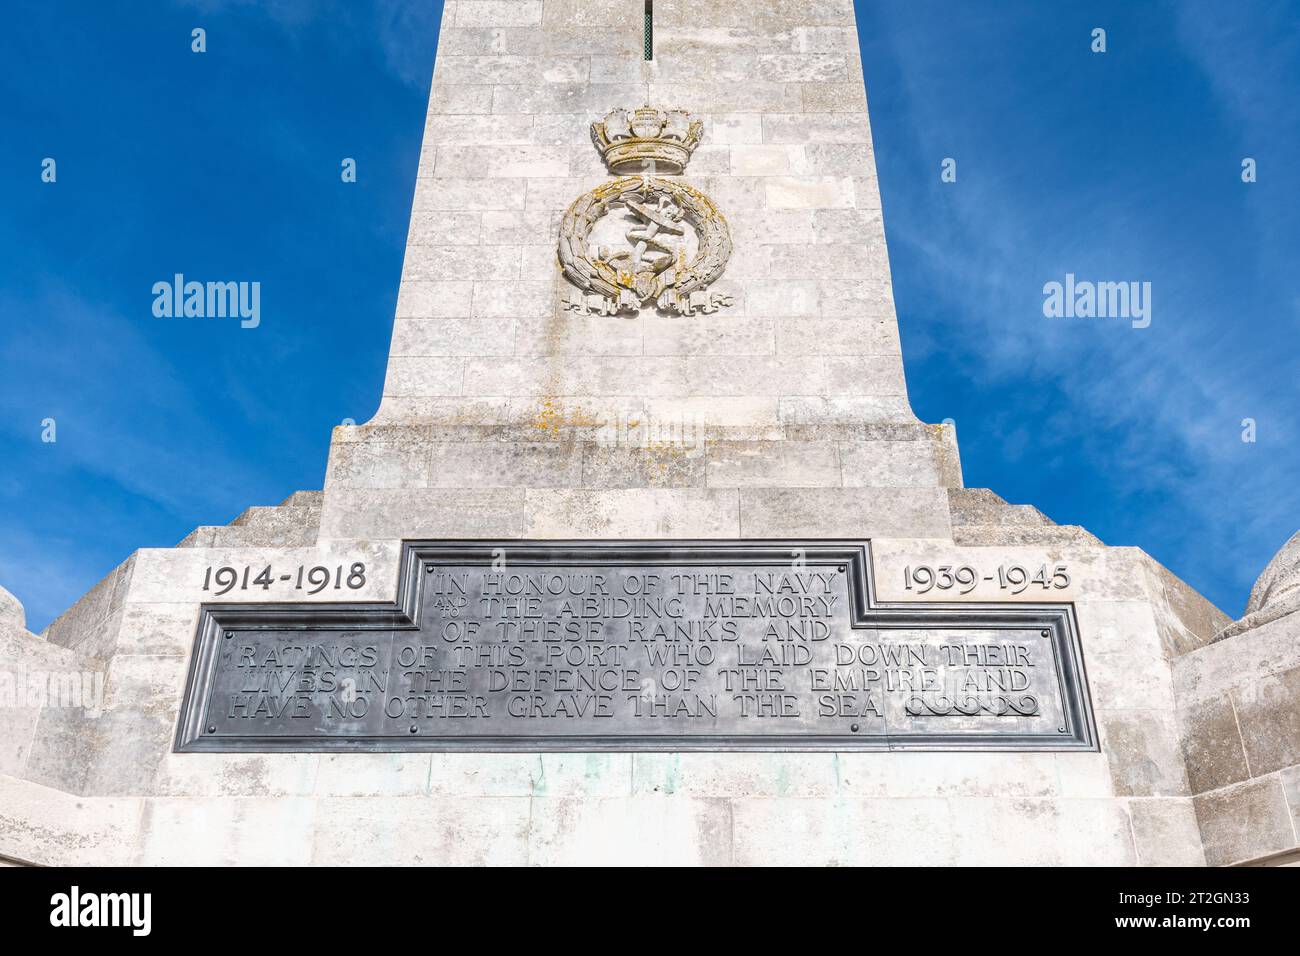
<point x="773" y="226"/>
<point x="593" y="17"/>
<point x="843" y="512"/>
<point x="420" y="299"/>
<point x="448" y="263"/>
<point x="584" y="775"/>
<point x="758" y="160"/>
<point x="460" y="99"/>
<point x="659" y="465"/>
<point x="838" y="337"/>
<point x="1268" y="713"/>
<point x="524" y="299"/>
<point x="1133" y="681"/>
<point x="412" y="513"/>
<point x="825" y="260"/>
<point x="46" y="827"/>
<point x="501" y="162"/>
<point x="814" y="128"/>
<point x="780" y="464"/>
<point x="380" y="465"/>
<point x="698" y="419"/>
<point x="372" y="775"/>
<point x="1212" y="745"/>
<point x="633" y="513"/>
<point x="416" y="376"/>
<point x="511" y="129"/>
<point x="578" y="375"/>
<point x="753" y="96"/>
<point x="590" y="100"/>
<point x="811" y="192"/>
<point x="580" y="335"/>
<point x="805" y="67"/>
<point x="498" y="13"/>
<point x="731" y="775"/>
<point x="1245" y="822"/>
<point x="555" y="464"/>
<point x="912" y="775"/>
<point x="709" y="335"/>
<point x="889" y="464"/>
<point x="733" y="128"/>
<point x="847" y="97"/>
<point x="161" y="630"/>
<point x="463" y="195"/>
<point x="846" y="832"/>
<point x="1084" y="775"/>
<point x="634" y="831"/>
<point x="519" y="227"/>
<point x="1144" y="752"/>
<point x="766" y="18"/>
<point x="442" y="338"/>
<point x="1165" y="832"/>
<point x="507" y="69"/>
<point x="211" y="831"/>
<point x="844" y="410"/>
<point x="848" y="225"/>
<point x="239" y="775"/>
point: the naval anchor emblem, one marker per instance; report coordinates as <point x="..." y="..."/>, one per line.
<point x="644" y="239"/>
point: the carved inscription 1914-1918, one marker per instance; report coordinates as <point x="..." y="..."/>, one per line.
<point x="636" y="646"/>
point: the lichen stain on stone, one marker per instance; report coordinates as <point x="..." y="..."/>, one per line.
<point x="782" y="775"/>
<point x="672" y="773"/>
<point x="552" y="418"/>
<point x="539" y="780"/>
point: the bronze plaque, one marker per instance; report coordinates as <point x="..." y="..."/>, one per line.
<point x="588" y="645"/>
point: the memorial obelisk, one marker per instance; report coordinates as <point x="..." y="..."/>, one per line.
<point x="644" y="557"/>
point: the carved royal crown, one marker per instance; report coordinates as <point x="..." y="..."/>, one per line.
<point x="630" y="138"/>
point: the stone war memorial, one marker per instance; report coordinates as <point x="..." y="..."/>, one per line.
<point x="644" y="557"/>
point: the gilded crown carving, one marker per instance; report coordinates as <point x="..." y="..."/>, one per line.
<point x="631" y="138"/>
<point x="643" y="239"/>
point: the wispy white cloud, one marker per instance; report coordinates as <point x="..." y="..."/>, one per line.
<point x="393" y="26"/>
<point x="1178" y="390"/>
<point x="112" y="397"/>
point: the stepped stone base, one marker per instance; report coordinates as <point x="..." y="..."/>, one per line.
<point x="108" y="789"/>
<point x="508" y="415"/>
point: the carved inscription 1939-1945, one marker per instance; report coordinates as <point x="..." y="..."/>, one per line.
<point x="636" y="646"/>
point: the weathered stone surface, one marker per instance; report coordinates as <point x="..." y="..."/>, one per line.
<point x="1279" y="583"/>
<point x="837" y="512"/>
<point x="1268" y="714"/>
<point x="654" y="466"/>
<point x="634" y="513"/>
<point x="633" y="831"/>
<point x="1144" y="753"/>
<point x="420" y="831"/>
<point x="214" y="831"/>
<point x="46" y="826"/>
<point x="1245" y="822"/>
<point x="1276" y="593"/>
<point x="1212" y="745"/>
<point x="783" y="415"/>
<point x="12" y="615"/>
<point x="1165" y="833"/>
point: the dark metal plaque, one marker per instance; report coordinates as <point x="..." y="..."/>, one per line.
<point x="587" y="645"/>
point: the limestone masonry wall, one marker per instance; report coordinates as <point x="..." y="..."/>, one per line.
<point x="505" y="415"/>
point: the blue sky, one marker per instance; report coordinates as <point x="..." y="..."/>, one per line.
<point x="1123" y="166"/>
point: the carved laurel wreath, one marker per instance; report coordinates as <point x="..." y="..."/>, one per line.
<point x="670" y="288"/>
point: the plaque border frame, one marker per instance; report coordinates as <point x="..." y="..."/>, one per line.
<point x="864" y="611"/>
